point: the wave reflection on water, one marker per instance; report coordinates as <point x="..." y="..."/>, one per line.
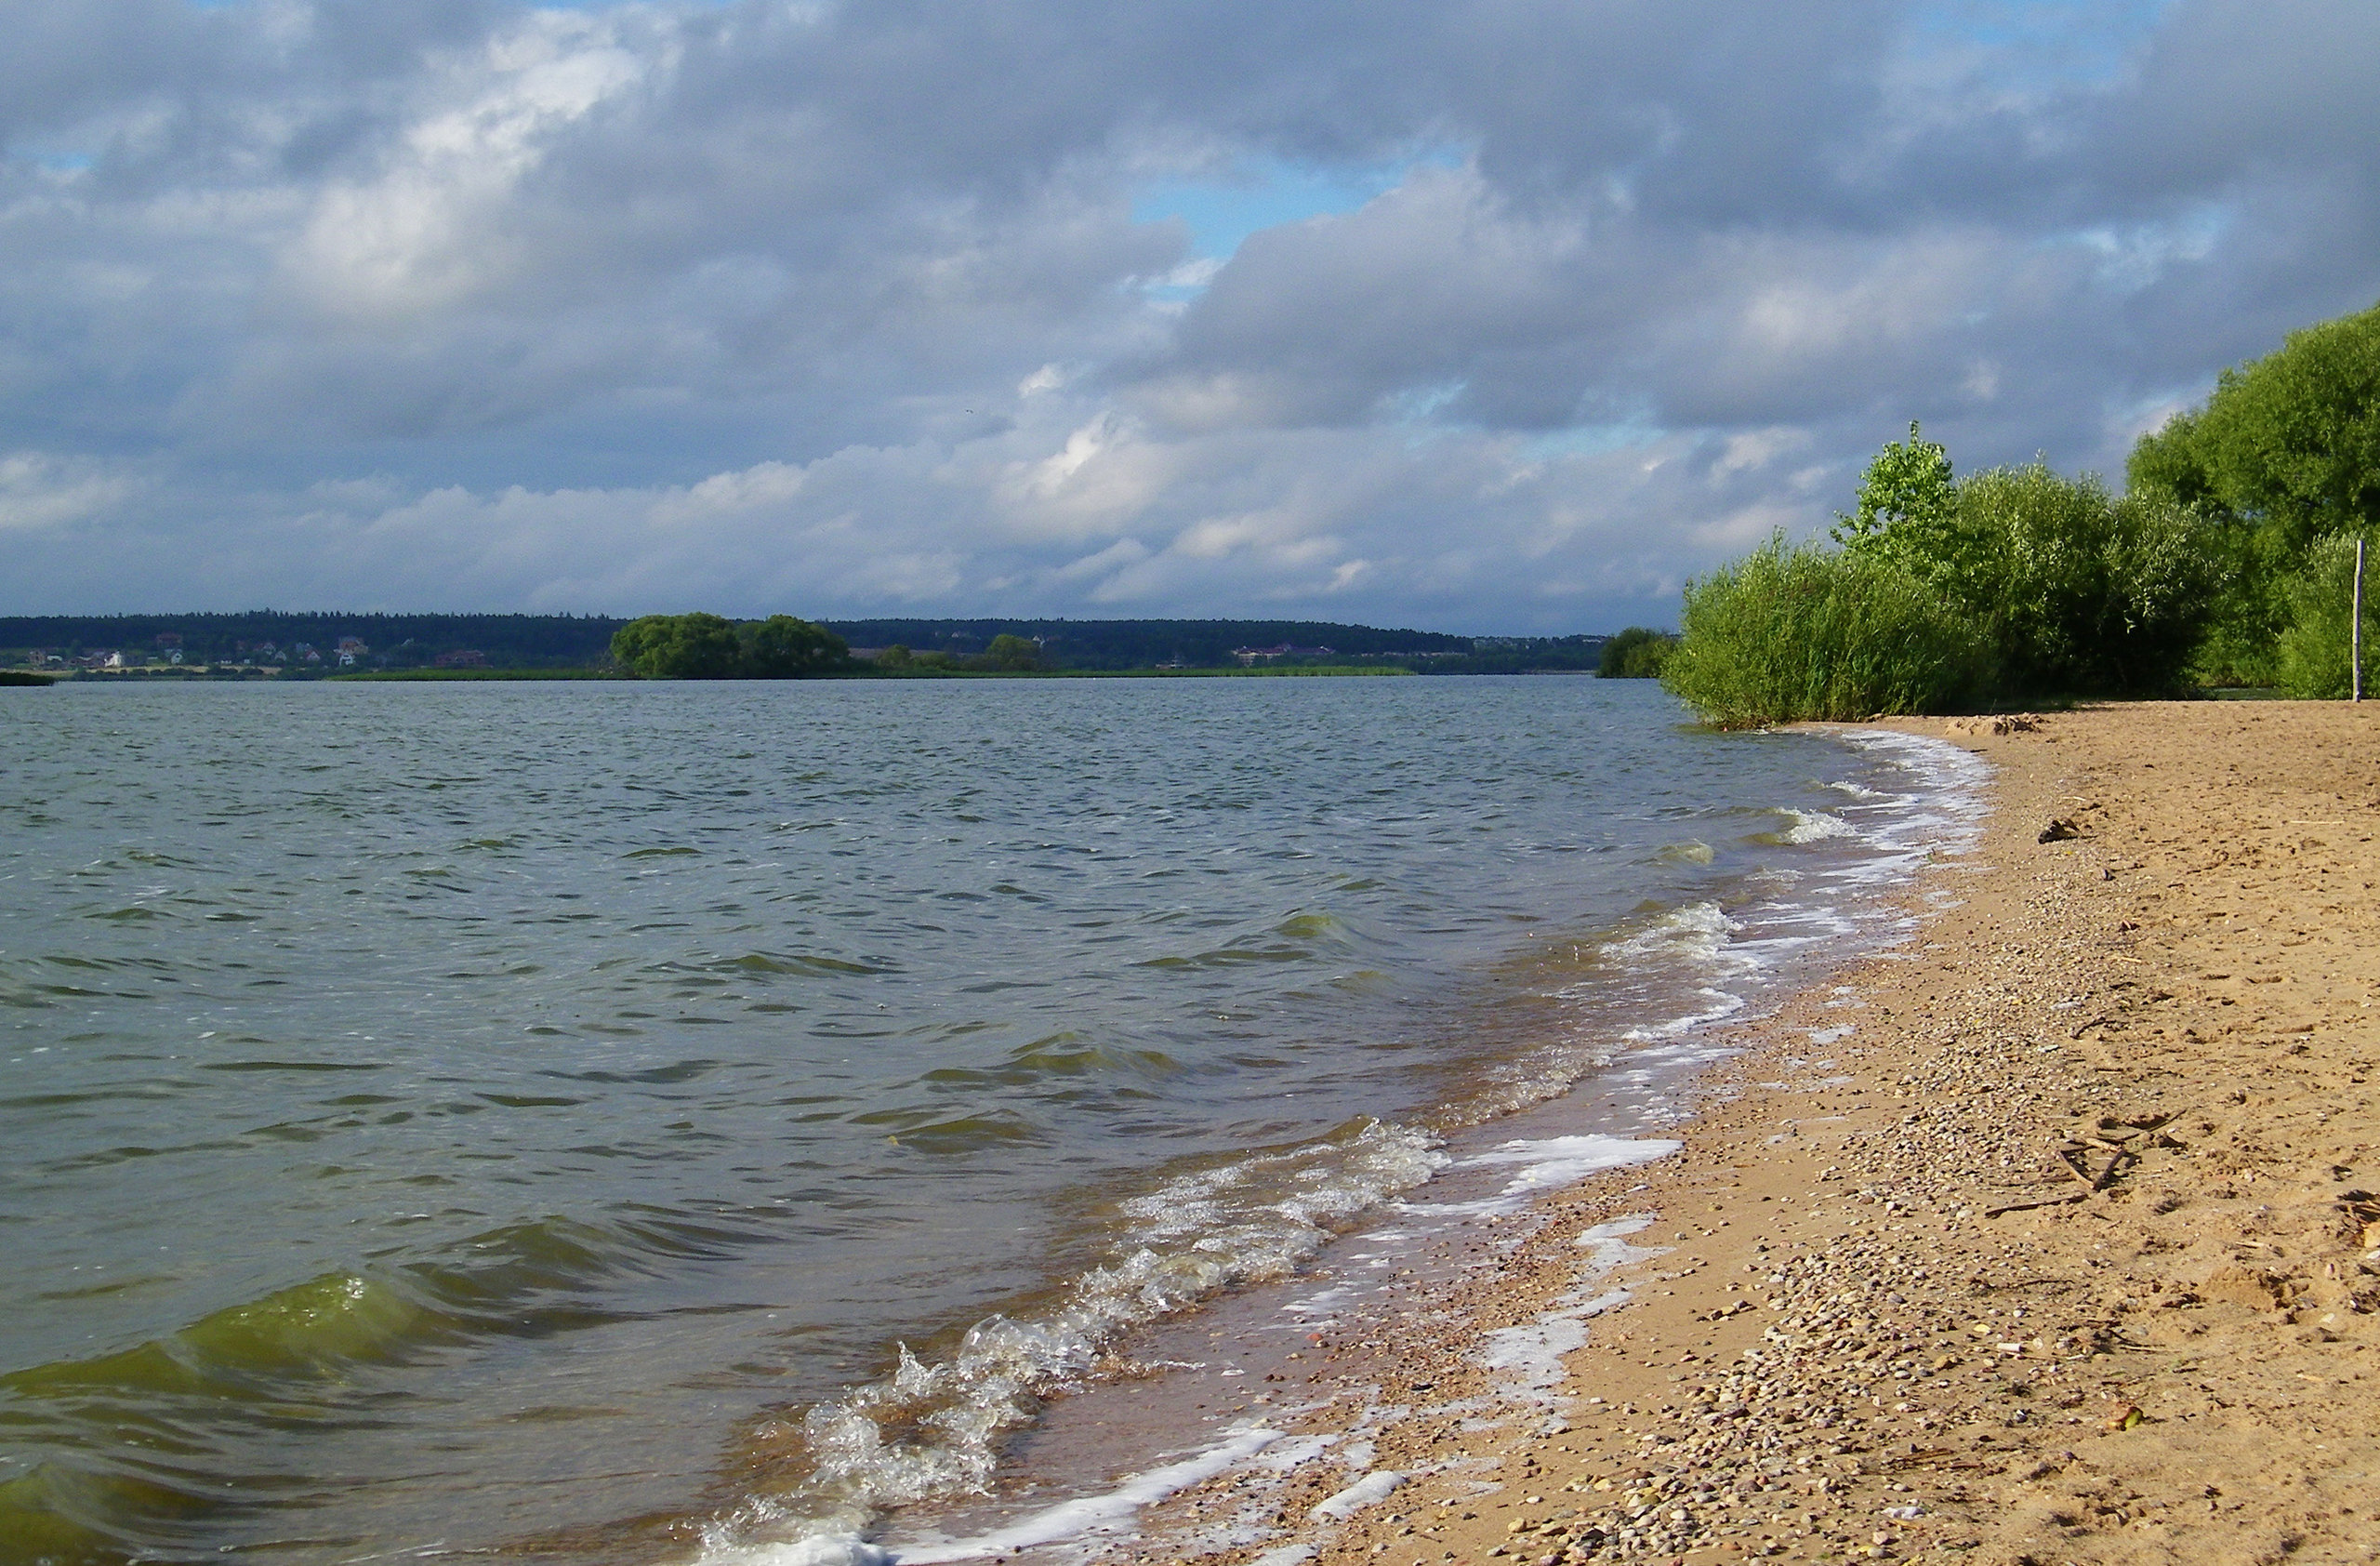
<point x="535" y="1119"/>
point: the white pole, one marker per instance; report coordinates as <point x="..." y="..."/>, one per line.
<point x="2355" y="631"/>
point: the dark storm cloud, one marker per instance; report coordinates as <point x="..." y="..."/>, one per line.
<point x="844" y="308"/>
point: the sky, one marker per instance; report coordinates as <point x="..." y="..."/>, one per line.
<point x="1489" y="316"/>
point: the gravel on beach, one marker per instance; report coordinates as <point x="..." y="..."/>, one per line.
<point x="2048" y="1236"/>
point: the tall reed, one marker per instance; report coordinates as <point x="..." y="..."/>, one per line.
<point x="1799" y="632"/>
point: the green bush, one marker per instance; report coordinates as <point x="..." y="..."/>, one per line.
<point x="1793" y="632"/>
<point x="2082" y="592"/>
<point x="1636" y="654"/>
<point x="1011" y="655"/>
<point x="2312" y="657"/>
<point x="700" y="647"/>
<point x="2285" y="451"/>
<point x="782" y="647"/>
<point x="695" y="647"/>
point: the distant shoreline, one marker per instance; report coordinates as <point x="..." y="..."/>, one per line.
<point x="204" y="674"/>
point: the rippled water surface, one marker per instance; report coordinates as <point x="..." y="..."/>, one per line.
<point x="531" y="1117"/>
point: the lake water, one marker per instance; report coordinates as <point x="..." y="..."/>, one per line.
<point x="532" y="1118"/>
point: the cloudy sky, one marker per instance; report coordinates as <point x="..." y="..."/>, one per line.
<point x="1476" y="316"/>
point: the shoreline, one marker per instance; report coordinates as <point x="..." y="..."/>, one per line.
<point x="1178" y="1394"/>
<point x="2056" y="1253"/>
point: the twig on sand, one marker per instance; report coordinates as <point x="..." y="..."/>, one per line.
<point x="2069" y="1198"/>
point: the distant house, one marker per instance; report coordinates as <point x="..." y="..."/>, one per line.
<point x="351" y="648"/>
<point x="1248" y="656"/>
<point x="304" y="653"/>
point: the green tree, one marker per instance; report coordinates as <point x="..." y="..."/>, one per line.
<point x="782" y="647"/>
<point x="897" y="656"/>
<point x="1636" y="652"/>
<point x="1907" y="495"/>
<point x="1012" y="654"/>
<point x="2082" y="592"/>
<point x="2313" y="654"/>
<point x="696" y="646"/>
<point x="2285" y="450"/>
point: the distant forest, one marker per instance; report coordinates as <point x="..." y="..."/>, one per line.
<point x="572" y="640"/>
<point x="396" y="641"/>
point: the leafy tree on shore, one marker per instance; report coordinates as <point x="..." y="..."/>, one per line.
<point x="1012" y="654"/>
<point x="2079" y="591"/>
<point x="1636" y="652"/>
<point x="2013" y="583"/>
<point x="696" y="646"/>
<point x="700" y="647"/>
<point x="782" y="647"/>
<point x="1908" y="498"/>
<point x="2312" y="656"/>
<point x="2284" y="452"/>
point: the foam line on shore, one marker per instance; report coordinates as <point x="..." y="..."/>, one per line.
<point x="1089" y="1514"/>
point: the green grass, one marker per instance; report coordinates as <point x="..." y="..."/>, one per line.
<point x="428" y="675"/>
<point x="1332" y="671"/>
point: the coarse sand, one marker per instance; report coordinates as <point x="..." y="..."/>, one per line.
<point x="2048" y="1236"/>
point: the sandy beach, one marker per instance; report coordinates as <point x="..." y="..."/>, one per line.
<point x="2043" y="1237"/>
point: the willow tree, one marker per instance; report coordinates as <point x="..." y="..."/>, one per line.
<point x="2286" y="451"/>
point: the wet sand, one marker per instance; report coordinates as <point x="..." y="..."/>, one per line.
<point x="2045" y="1237"/>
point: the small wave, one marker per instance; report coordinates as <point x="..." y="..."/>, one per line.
<point x="1808" y="826"/>
<point x="1696" y="931"/>
<point x="930" y="1429"/>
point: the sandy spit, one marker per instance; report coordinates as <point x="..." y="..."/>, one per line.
<point x="2066" y="1251"/>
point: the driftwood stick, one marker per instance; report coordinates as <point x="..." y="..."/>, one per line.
<point x="2027" y="1206"/>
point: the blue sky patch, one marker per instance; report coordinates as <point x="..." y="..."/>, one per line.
<point x="1265" y="193"/>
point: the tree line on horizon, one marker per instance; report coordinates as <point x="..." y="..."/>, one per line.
<point x="2226" y="561"/>
<point x="499" y="643"/>
<point x="708" y="647"/>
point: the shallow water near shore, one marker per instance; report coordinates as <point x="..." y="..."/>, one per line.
<point x="534" y="1120"/>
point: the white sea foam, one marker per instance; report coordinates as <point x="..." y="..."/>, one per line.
<point x="1551" y="1162"/>
<point x="1288" y="1554"/>
<point x="1368" y="1490"/>
<point x="1813" y="826"/>
<point x="1096" y="1514"/>
<point x="834" y="1547"/>
<point x="1696" y="931"/>
<point x="1532" y="1352"/>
